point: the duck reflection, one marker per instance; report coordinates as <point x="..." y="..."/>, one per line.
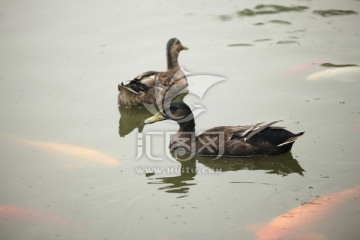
<point x="131" y="118"/>
<point x="181" y="183"/>
<point x="282" y="165"/>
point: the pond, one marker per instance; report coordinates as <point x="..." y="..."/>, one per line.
<point x="75" y="166"/>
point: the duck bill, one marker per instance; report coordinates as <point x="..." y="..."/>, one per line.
<point x="156" y="118"/>
<point x="184" y="47"/>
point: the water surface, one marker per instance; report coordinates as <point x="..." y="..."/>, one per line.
<point x="68" y="154"/>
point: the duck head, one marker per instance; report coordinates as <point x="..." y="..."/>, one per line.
<point x="178" y="112"/>
<point x="173" y="48"/>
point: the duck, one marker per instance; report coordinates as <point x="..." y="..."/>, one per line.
<point x="254" y="140"/>
<point x="152" y="86"/>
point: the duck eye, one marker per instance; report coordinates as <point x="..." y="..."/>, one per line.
<point x="174" y="113"/>
<point x="180" y="113"/>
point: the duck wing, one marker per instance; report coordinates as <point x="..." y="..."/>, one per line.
<point x="153" y="87"/>
<point x="147" y="78"/>
<point x="127" y="88"/>
<point x="141" y="83"/>
<point x="171" y="77"/>
<point x="251" y="130"/>
<point x="244" y="132"/>
<point x="258" y="139"/>
<point x="263" y="139"/>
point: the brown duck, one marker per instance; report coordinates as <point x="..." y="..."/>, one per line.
<point x="243" y="141"/>
<point x="151" y="86"/>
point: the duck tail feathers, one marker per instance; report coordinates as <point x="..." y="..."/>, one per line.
<point x="259" y="128"/>
<point x="292" y="139"/>
<point x="123" y="87"/>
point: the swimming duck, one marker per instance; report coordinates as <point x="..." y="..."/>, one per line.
<point x="242" y="141"/>
<point x="151" y="86"/>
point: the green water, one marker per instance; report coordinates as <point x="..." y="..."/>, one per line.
<point x="69" y="166"/>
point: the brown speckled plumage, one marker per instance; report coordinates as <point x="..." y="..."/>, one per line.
<point x="249" y="140"/>
<point x="153" y="86"/>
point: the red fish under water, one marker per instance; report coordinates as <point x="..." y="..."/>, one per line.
<point x="299" y="219"/>
<point x="16" y="213"/>
<point x="358" y="127"/>
<point x="304" y="67"/>
<point x="80" y="154"/>
<point x="342" y="74"/>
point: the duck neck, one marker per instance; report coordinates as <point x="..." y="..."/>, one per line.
<point x="172" y="60"/>
<point x="188" y="126"/>
<point x="185" y="137"/>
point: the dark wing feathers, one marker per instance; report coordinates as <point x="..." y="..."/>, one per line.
<point x="126" y="88"/>
<point x="145" y="74"/>
<point x="141" y="83"/>
<point x="248" y="131"/>
<point x="291" y="139"/>
<point x="259" y="128"/>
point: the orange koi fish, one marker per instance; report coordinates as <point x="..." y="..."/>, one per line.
<point x="304" y="67"/>
<point x="13" y="212"/>
<point x="82" y="154"/>
<point x="358" y="127"/>
<point x="343" y="74"/>
<point x="299" y="219"/>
